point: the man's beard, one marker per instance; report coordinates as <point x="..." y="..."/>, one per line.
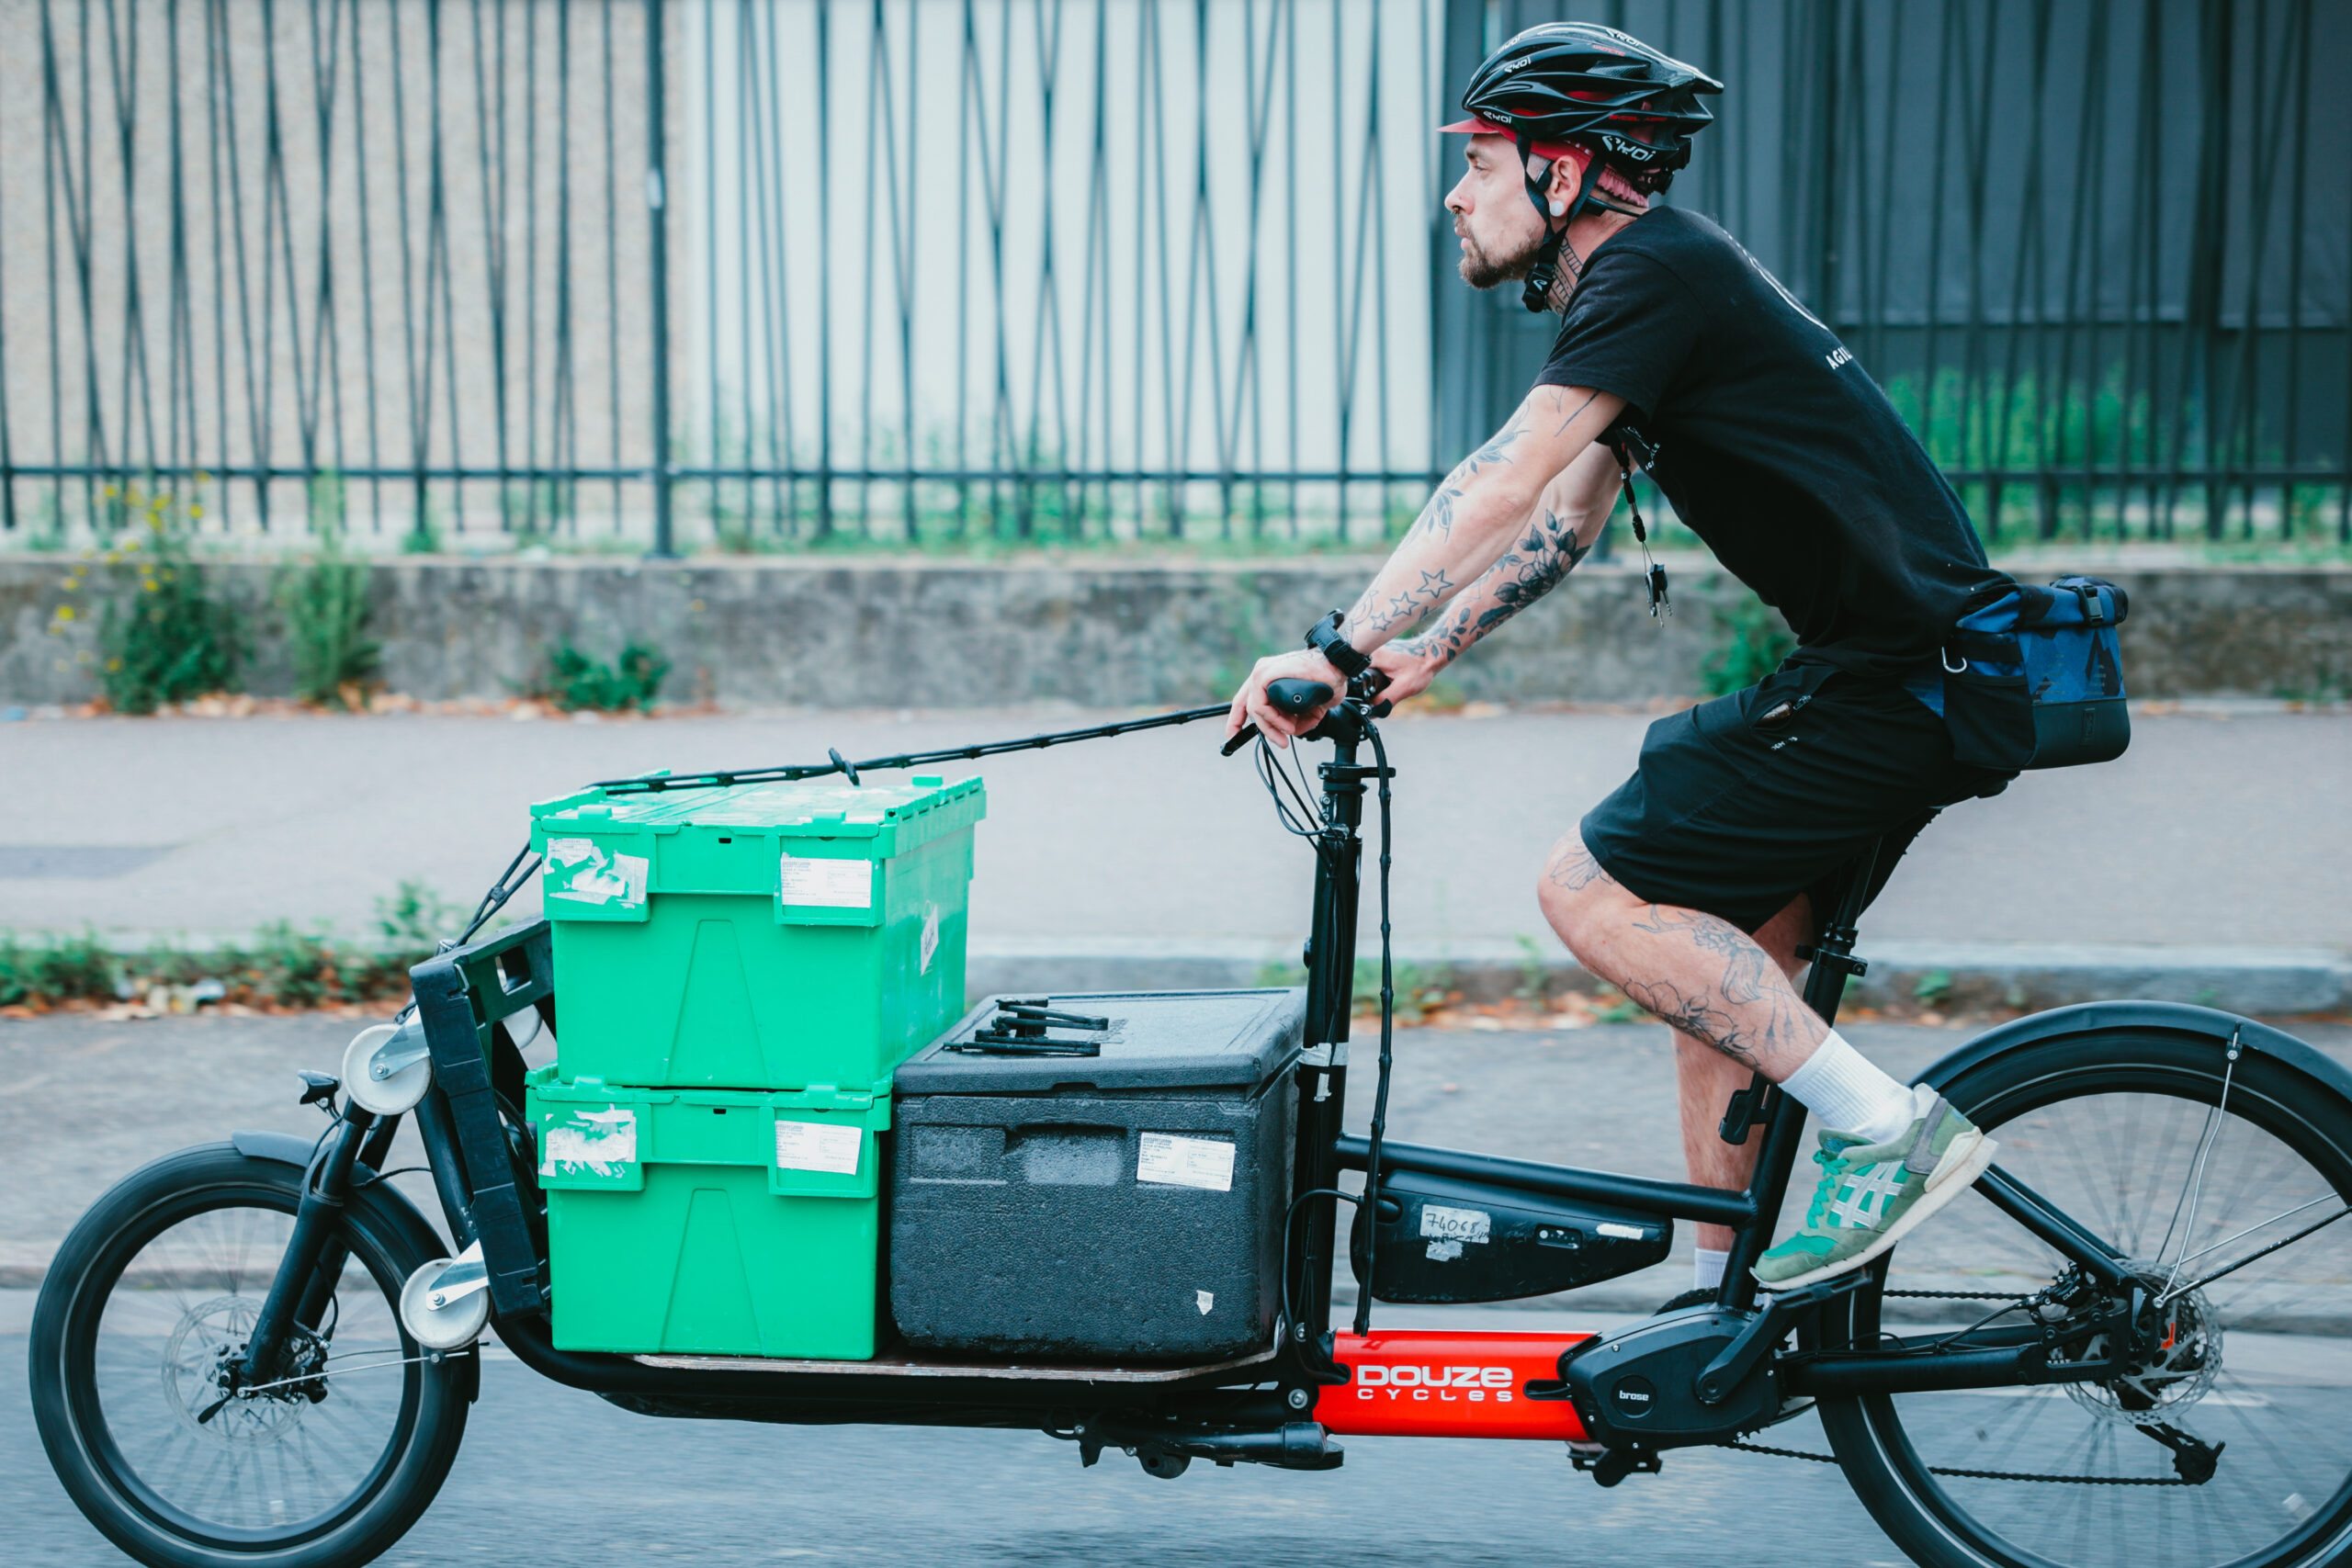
<point x="1481" y="268"/>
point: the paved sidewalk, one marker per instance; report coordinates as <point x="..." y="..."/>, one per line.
<point x="2215" y="830"/>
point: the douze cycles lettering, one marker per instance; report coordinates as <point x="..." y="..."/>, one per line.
<point x="1444" y="1385"/>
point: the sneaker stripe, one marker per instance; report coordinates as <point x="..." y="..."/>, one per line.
<point x="1957" y="1177"/>
<point x="1922" y="1157"/>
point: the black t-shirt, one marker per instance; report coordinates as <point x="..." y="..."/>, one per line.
<point x="1773" y="444"/>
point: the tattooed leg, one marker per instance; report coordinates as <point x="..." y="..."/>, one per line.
<point x="1703" y="976"/>
<point x="1705" y="1079"/>
<point x="1728" y="997"/>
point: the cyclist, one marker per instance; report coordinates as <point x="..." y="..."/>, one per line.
<point x="1692" y="885"/>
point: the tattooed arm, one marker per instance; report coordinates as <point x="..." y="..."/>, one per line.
<point x="1475" y="518"/>
<point x="1563" y="529"/>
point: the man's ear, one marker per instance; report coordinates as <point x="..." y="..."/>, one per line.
<point x="1567" y="179"/>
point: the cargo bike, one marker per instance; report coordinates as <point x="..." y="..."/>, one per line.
<point x="1114" y="1219"/>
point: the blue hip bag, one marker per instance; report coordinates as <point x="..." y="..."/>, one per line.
<point x="2033" y="677"/>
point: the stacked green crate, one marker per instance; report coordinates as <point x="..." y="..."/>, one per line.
<point x="737" y="973"/>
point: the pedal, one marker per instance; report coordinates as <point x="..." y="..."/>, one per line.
<point x="1611" y="1465"/>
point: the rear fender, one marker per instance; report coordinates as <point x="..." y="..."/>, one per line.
<point x="2179" y="1019"/>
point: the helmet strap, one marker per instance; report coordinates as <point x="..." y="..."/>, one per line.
<point x="1536" y="294"/>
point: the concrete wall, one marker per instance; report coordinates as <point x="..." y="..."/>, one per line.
<point x="931" y="632"/>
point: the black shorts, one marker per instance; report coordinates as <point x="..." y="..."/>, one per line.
<point x="1741" y="803"/>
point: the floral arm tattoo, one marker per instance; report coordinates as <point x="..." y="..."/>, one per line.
<point x="1548" y="551"/>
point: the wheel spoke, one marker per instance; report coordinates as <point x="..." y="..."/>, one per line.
<point x="2231" y="1204"/>
<point x="268" y="1460"/>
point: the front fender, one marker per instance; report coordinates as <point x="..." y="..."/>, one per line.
<point x="2168" y="1018"/>
<point x="285" y="1148"/>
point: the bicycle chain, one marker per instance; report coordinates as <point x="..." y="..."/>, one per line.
<point x="1984" y="1475"/>
<point x="1977" y="1475"/>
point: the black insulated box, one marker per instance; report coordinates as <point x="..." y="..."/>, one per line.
<point x="1126" y="1204"/>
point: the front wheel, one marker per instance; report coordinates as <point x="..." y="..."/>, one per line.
<point x="141" y="1316"/>
<point x="2228" y="1444"/>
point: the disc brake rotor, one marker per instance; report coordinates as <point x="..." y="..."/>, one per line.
<point x="200" y="1365"/>
<point x="2183" y="1360"/>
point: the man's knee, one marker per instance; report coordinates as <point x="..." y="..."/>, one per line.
<point x="1576" y="895"/>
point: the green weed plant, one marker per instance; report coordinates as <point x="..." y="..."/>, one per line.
<point x="163" y="637"/>
<point x="1753" y="642"/>
<point x="575" y="682"/>
<point x="323" y="602"/>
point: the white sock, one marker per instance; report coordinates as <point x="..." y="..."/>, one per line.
<point x="1707" y="1268"/>
<point x="1838" y="1084"/>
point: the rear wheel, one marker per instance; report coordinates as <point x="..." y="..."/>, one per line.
<point x="140" y="1319"/>
<point x="2223" y="1186"/>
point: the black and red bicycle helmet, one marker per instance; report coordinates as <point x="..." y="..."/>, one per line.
<point x="1579" y="83"/>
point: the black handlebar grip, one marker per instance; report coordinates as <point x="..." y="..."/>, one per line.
<point x="1297" y="698"/>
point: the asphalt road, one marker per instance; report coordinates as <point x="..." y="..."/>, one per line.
<point x="561" y="1478"/>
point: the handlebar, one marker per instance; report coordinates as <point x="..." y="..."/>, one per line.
<point x="1297" y="698"/>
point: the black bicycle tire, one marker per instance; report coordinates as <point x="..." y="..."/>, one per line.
<point x="1865" y="1433"/>
<point x="379" y="1229"/>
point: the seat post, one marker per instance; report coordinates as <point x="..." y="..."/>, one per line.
<point x="1831" y="951"/>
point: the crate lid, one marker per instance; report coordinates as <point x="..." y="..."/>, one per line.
<point x="903" y="812"/>
<point x="1156" y="1040"/>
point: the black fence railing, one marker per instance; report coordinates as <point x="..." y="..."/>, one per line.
<point x="673" y="274"/>
<point x="2099" y="251"/>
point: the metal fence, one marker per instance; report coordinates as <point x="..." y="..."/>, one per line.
<point x="758" y="272"/>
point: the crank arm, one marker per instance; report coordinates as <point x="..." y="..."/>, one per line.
<point x="1767" y="1328"/>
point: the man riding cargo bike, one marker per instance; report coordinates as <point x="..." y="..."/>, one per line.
<point x="755" y="1167"/>
<point x="1693" y="886"/>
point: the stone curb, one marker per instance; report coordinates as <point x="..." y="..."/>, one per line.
<point x="1904" y="976"/>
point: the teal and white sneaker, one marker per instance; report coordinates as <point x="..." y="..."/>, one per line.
<point x="1870" y="1195"/>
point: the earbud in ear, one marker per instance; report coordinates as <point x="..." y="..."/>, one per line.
<point x="1558" y="207"/>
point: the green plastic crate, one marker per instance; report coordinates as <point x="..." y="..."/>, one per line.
<point x="766" y="936"/>
<point x="708" y="1222"/>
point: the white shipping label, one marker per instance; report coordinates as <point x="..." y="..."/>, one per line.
<point x="1170" y="1161"/>
<point x="577" y="869"/>
<point x="929" y="944"/>
<point x="605" y="1141"/>
<point x="834" y="884"/>
<point x="571" y="852"/>
<point x="818" y="1146"/>
<point x="1456" y="1224"/>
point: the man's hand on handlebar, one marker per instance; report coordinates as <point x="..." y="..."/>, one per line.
<point x="1250" y="705"/>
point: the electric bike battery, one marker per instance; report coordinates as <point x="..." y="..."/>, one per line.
<point x="1068" y="1191"/>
